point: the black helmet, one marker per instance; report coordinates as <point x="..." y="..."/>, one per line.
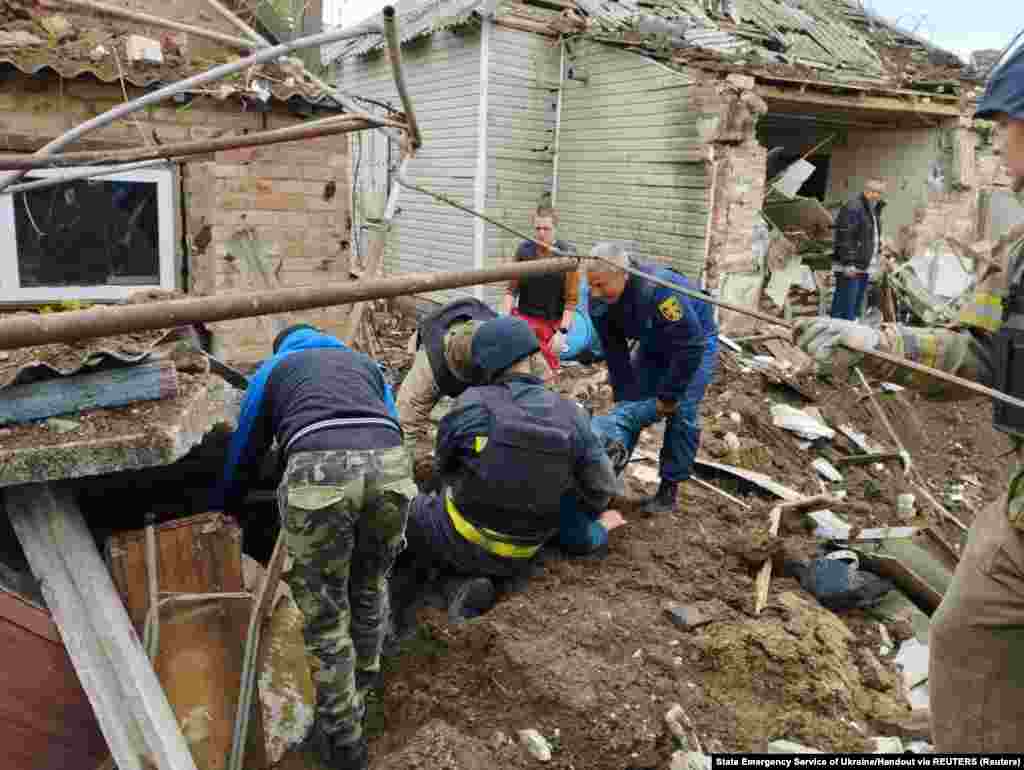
<point x="1004" y="92"/>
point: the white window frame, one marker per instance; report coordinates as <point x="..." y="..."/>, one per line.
<point x="11" y="290"/>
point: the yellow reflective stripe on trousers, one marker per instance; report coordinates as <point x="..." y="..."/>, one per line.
<point x="485" y="538"/>
<point x="983" y="311"/>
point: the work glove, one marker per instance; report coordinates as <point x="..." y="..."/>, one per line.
<point x="823" y="338"/>
<point x="558" y="343"/>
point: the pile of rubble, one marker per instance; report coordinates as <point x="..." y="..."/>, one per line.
<point x="656" y="655"/>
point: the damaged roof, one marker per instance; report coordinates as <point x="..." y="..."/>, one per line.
<point x="61" y="39"/>
<point x="836" y="41"/>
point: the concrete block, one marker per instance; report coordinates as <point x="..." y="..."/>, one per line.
<point x="146" y="49"/>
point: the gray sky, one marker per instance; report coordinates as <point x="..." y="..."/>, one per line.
<point x="952" y="24"/>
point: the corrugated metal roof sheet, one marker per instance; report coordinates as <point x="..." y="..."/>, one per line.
<point x="837" y="39"/>
<point x="431" y="16"/>
<point x="90" y="50"/>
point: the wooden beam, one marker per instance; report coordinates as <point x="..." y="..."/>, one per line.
<point x="860" y="102"/>
<point x="130" y="706"/>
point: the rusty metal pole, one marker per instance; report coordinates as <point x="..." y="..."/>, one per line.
<point x="24" y="330"/>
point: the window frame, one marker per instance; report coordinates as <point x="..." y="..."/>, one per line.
<point x="11" y="291"/>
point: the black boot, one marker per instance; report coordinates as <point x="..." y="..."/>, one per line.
<point x="468" y="597"/>
<point x="663" y="501"/>
<point x="341" y="756"/>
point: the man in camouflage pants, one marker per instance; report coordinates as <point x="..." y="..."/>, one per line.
<point x="344" y="499"/>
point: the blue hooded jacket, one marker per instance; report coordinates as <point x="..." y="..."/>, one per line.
<point x="244" y="452"/>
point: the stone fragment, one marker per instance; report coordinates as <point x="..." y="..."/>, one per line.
<point x="18" y="39"/>
<point x="536" y="744"/>
<point x="145" y="49"/>
<point x="686" y="617"/>
<point x="790" y="747"/>
<point x="58" y="27"/>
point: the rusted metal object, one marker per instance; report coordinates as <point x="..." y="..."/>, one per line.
<point x="45" y="716"/>
<point x="311" y="130"/>
<point x="24" y="330"/>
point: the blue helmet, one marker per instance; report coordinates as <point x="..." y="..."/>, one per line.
<point x="501" y="342"/>
<point x="1004" y="92"/>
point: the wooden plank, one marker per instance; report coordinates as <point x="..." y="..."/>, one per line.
<point x="114" y="387"/>
<point x="764" y="575"/>
<point x="862" y="102"/>
<point x="133" y="712"/>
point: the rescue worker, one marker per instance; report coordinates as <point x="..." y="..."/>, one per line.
<point x="666" y="376"/>
<point x="976" y="644"/>
<point x="507" y="454"/>
<point x="344" y="500"/>
<point x="858" y="247"/>
<point x="546" y="302"/>
<point x="442" y="367"/>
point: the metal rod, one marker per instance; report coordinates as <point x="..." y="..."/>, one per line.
<point x="216" y="73"/>
<point x="156" y="21"/>
<point x="341" y="98"/>
<point x="261" y="608"/>
<point x="395" y="54"/>
<point x="904" y="454"/>
<point x="310" y="130"/>
<point x="23" y="330"/>
<point x="152" y="639"/>
<point x="74" y="176"/>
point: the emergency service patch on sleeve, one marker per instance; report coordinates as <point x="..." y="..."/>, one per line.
<point x="670" y="309"/>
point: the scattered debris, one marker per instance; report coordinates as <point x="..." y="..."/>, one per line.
<point x="144" y="49"/>
<point x="19" y="39"/>
<point x="690" y="760"/>
<point x="913" y="659"/>
<point x="827" y="470"/>
<point x="790" y="747"/>
<point x="61" y="425"/>
<point x="99" y="53"/>
<point x="800" y="422"/>
<point x="58" y="27"/>
<point x="890" y="745"/>
<point x="536" y="744"/>
<point x="905" y="505"/>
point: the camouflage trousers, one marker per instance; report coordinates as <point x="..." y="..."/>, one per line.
<point x="344" y="514"/>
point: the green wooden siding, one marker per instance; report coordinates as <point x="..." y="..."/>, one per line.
<point x="630" y="164"/>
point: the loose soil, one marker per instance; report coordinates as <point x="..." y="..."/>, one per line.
<point x="586" y="655"/>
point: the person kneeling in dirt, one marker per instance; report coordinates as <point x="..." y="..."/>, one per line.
<point x="668" y="373"/>
<point x="976" y="638"/>
<point x="508" y="454"/>
<point x="344" y="499"/>
<point x="443" y="366"/>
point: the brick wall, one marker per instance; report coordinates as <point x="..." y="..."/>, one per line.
<point x="280" y="195"/>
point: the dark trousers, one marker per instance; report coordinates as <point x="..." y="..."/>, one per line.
<point x="849" y="295"/>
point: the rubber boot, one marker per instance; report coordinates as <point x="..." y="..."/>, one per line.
<point x="468" y="597"/>
<point x="663" y="501"/>
<point x="351" y="756"/>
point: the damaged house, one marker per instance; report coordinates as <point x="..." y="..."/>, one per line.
<point x="261" y="217"/>
<point x="661" y="124"/>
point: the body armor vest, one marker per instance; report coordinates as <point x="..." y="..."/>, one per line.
<point x="432" y="333"/>
<point x="514" y="482"/>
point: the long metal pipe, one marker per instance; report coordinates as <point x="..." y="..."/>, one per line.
<point x="395" y="54"/>
<point x="88" y="173"/>
<point x="157" y="21"/>
<point x="342" y="124"/>
<point x="24" y="330"/>
<point x="216" y="73"/>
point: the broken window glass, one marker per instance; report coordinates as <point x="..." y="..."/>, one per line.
<point x="87" y="233"/>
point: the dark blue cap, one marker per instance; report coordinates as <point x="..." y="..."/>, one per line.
<point x="501" y="342"/>
<point x="1004" y="92"/>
